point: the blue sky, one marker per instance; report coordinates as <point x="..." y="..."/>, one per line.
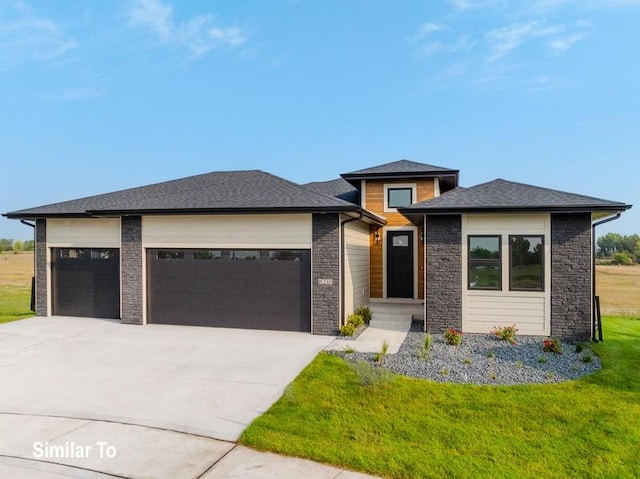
<point x="101" y="96"/>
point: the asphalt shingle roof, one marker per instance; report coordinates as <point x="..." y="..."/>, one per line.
<point x="217" y="191"/>
<point x="400" y="167"/>
<point x="501" y="194"/>
<point x="337" y="188"/>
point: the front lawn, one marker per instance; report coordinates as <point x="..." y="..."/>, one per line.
<point x="408" y="428"/>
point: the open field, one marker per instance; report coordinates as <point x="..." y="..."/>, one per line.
<point x="15" y="285"/>
<point x="619" y="289"/>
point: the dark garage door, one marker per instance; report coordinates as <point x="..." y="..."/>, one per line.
<point x="255" y="289"/>
<point x="86" y="282"/>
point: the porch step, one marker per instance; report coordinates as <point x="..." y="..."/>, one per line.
<point x="390" y="322"/>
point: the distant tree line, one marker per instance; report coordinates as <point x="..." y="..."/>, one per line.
<point x="7" y="244"/>
<point x="620" y="249"/>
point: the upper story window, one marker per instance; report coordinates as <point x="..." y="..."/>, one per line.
<point x="397" y="196"/>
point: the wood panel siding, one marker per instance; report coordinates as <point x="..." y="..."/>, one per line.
<point x="84" y="232"/>
<point x="374" y="199"/>
<point x="289" y="231"/>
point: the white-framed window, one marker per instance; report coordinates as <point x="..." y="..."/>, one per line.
<point x="398" y="195"/>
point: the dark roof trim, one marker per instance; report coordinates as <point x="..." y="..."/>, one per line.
<point x="401" y="174"/>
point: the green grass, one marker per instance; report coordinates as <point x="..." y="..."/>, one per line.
<point x="14" y="303"/>
<point x="408" y="428"/>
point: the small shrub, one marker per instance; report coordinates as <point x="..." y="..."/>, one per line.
<point x="579" y="348"/>
<point x="349" y="350"/>
<point x="543" y="360"/>
<point x="384" y="350"/>
<point x="587" y="358"/>
<point x="491" y="354"/>
<point x="552" y="345"/>
<point x="365" y="312"/>
<point x="466" y="361"/>
<point x="506" y="333"/>
<point x="427" y="342"/>
<point x="444" y="371"/>
<point x="371" y="376"/>
<point x="453" y="337"/>
<point x="356" y="320"/>
<point x="348" y="330"/>
<point x="519" y="364"/>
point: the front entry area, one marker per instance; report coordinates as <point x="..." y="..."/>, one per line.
<point x="400" y="262"/>
<point x="230" y="288"/>
<point x="86" y="282"/>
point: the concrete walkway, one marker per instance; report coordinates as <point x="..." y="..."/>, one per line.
<point x="389" y="322"/>
<point x="44" y="447"/>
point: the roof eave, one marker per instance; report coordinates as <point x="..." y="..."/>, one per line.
<point x="412" y="211"/>
<point x="355" y="178"/>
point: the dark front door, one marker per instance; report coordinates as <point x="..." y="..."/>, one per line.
<point x="400" y="264"/>
<point x="86" y="282"/>
<point x="230" y="288"/>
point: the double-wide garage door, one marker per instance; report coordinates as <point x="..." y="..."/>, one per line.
<point x="231" y="288"/>
<point x="86" y="282"/>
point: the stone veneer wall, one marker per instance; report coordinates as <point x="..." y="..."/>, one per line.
<point x="444" y="273"/>
<point x="325" y="274"/>
<point x="571" y="276"/>
<point x="131" y="269"/>
<point x="42" y="272"/>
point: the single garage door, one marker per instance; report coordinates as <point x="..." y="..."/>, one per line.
<point x="230" y="288"/>
<point x="86" y="282"/>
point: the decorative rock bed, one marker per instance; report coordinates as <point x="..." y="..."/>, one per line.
<point x="484" y="359"/>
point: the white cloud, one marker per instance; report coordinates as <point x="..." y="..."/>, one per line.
<point x="560" y="45"/>
<point x="25" y="36"/>
<point x="464" y="5"/>
<point x="427" y="29"/>
<point x="198" y="34"/>
<point x="503" y="41"/>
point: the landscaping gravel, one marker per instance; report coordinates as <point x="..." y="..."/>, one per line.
<point x="484" y="359"/>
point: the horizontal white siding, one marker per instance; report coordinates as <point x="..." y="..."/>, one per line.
<point x="84" y="232"/>
<point x="356" y="274"/>
<point x="291" y="231"/>
<point x="529" y="310"/>
<point x="485" y="311"/>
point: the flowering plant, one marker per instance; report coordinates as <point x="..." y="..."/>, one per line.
<point x="453" y="337"/>
<point x="506" y="333"/>
<point x="552" y="345"/>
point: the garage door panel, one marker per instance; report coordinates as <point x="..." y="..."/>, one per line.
<point x="86" y="282"/>
<point x="258" y="289"/>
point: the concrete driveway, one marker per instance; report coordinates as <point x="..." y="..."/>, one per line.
<point x="206" y="381"/>
<point x="95" y="399"/>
